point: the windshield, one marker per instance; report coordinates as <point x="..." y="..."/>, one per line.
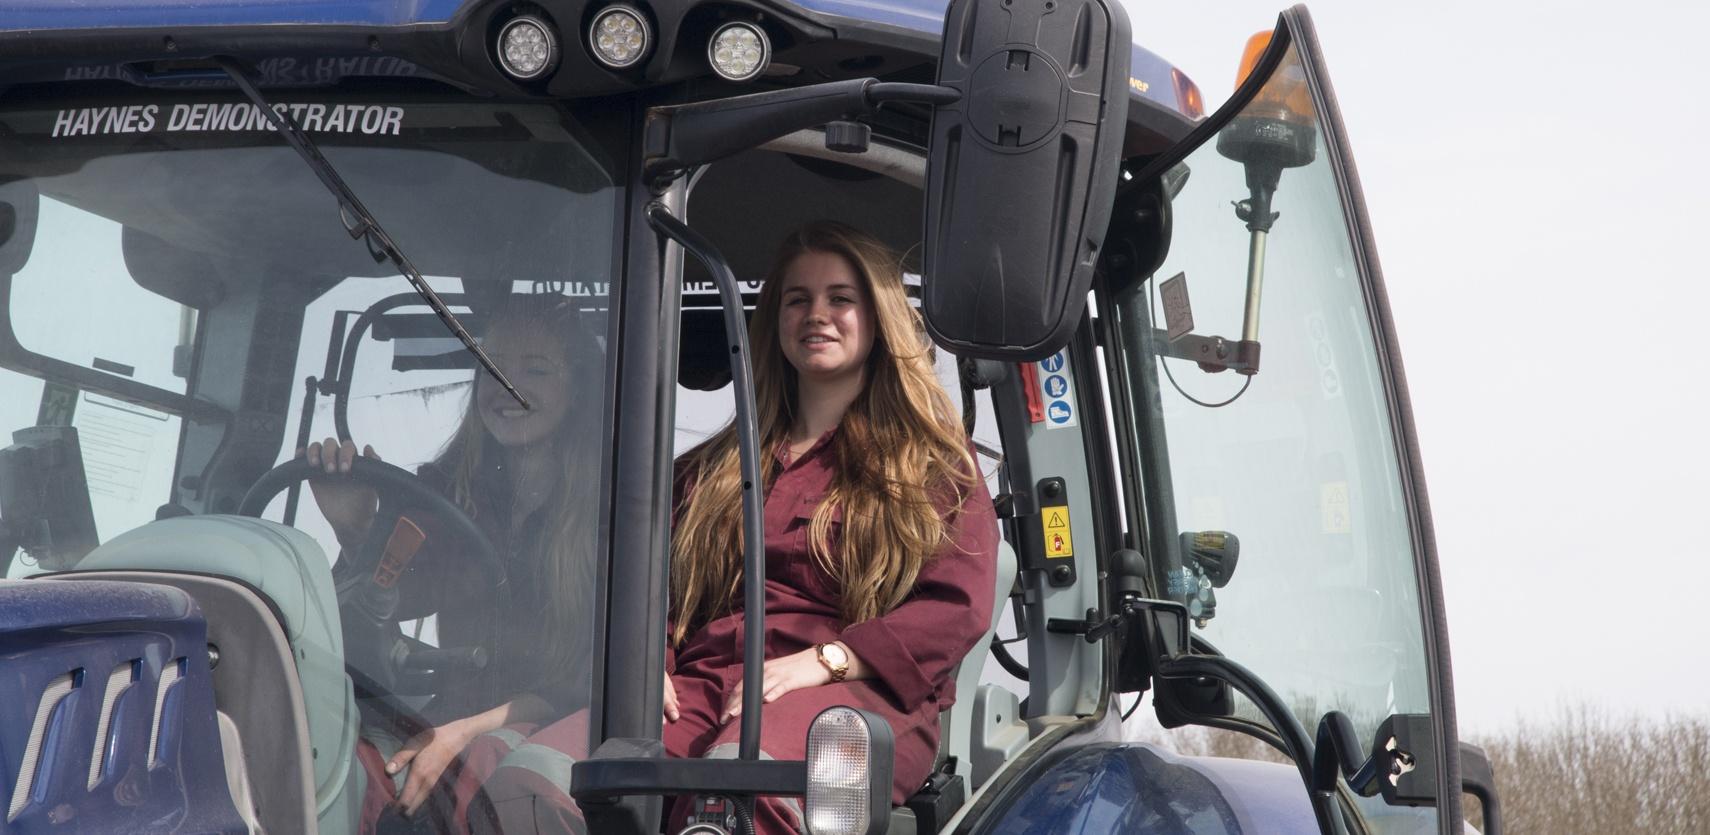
<point x="184" y="311"/>
<point x="1298" y="461"/>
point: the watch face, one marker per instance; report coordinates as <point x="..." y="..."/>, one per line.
<point x="835" y="655"/>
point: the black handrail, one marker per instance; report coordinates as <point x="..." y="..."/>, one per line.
<point x="748" y="442"/>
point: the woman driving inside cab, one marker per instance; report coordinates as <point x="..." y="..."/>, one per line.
<point x="526" y="478"/>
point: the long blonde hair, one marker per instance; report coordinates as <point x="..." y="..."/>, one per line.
<point x="895" y="504"/>
<point x="564" y="568"/>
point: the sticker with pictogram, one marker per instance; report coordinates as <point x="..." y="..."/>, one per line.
<point x="1057" y="390"/>
<point x="1055" y="520"/>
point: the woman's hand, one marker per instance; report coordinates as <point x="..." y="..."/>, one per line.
<point x="426" y="755"/>
<point x="672" y="712"/>
<point x="788" y="673"/>
<point x="349" y="507"/>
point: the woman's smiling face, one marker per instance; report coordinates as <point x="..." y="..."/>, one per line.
<point x="826" y="324"/>
<point x="534" y="362"/>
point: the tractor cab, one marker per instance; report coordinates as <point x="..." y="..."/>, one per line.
<point x="229" y="234"/>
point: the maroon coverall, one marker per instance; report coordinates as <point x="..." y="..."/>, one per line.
<point x="912" y="651"/>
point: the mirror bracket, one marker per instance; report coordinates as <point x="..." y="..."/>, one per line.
<point x="679" y="137"/>
<point x="1399" y="765"/>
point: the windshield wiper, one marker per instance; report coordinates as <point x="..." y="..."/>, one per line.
<point x="360" y="223"/>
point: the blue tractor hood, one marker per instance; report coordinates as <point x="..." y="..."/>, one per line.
<point x="1123" y="787"/>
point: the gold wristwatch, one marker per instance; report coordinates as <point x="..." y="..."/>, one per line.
<point x="835" y="658"/>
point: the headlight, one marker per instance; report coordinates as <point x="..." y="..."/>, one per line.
<point x="739" y="51"/>
<point x="850" y="754"/>
<point x="527" y="48"/>
<point x="619" y="36"/>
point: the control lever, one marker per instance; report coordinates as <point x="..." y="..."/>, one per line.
<point x="454" y="659"/>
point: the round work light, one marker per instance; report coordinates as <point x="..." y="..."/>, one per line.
<point x="619" y="36"/>
<point x="527" y="48"/>
<point x="739" y="51"/>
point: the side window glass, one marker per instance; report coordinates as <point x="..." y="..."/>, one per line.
<point x="132" y="332"/>
<point x="75" y="302"/>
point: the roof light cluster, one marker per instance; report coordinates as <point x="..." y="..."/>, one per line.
<point x="620" y="37"/>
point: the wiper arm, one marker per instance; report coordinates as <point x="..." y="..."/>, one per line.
<point x="360" y="223"/>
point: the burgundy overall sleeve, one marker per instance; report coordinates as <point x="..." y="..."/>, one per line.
<point x="915" y="647"/>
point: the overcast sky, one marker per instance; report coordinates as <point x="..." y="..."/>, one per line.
<point x="1540" y="192"/>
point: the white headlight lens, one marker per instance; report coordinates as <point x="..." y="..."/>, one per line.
<point x="839" y="755"/>
<point x="619" y="36"/>
<point x="527" y="47"/>
<point x="739" y="51"/>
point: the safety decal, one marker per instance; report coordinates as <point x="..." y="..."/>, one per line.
<point x="1057" y="391"/>
<point x="1334" y="507"/>
<point x="1058" y="542"/>
<point x="59" y="404"/>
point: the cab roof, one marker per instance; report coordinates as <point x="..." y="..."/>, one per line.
<point x="297" y="43"/>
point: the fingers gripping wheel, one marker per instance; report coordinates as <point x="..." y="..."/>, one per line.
<point x="375" y="648"/>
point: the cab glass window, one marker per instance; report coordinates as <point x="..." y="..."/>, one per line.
<point x="1299" y="461"/>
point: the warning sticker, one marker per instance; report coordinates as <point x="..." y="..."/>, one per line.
<point x="1333" y="506"/>
<point x="1055" y="520"/>
<point x="59" y="403"/>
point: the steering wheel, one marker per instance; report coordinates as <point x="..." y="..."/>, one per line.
<point x="399" y="490"/>
<point x="377" y="654"/>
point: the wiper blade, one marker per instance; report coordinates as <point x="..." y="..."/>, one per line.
<point x="360" y="223"/>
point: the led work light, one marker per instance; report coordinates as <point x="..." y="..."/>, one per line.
<point x="739" y="51"/>
<point x="527" y="48"/>
<point x="619" y="36"/>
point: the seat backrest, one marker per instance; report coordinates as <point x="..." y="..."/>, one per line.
<point x="956" y="725"/>
<point x="107" y="719"/>
<point x="267" y="592"/>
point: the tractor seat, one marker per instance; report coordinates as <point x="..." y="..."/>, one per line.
<point x="266" y="591"/>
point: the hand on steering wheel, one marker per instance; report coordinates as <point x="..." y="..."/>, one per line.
<point x="347" y="505"/>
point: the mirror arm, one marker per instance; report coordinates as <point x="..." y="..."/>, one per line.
<point x="1275" y="710"/>
<point x="1478" y="780"/>
<point x="683" y="136"/>
<point x="1212" y="353"/>
<point x="1338" y="750"/>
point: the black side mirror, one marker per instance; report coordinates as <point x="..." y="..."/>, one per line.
<point x="1022" y="172"/>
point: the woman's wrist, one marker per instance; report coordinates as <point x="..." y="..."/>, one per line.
<point x="486" y="721"/>
<point x="857" y="668"/>
<point x="351" y="537"/>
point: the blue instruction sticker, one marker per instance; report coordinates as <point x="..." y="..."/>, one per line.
<point x="1057" y="391"/>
